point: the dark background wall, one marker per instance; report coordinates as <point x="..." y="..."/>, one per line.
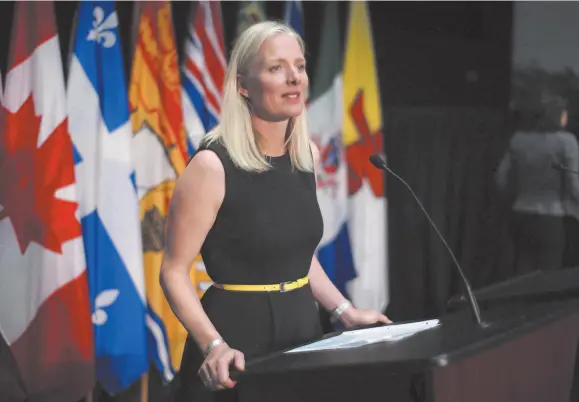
<point x="444" y="71"/>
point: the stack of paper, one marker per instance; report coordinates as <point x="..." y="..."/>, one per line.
<point x="362" y="337"/>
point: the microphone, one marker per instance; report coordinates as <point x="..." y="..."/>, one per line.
<point x="380" y="163"/>
<point x="561" y="168"/>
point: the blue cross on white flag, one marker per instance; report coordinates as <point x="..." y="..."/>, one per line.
<point x="109" y="207"/>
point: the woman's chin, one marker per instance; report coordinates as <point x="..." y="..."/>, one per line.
<point x="294" y="111"/>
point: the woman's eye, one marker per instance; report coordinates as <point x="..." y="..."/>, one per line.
<point x="274" y="68"/>
<point x="302" y="67"/>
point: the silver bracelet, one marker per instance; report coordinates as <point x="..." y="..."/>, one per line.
<point x="338" y="311"/>
<point x="212" y="345"/>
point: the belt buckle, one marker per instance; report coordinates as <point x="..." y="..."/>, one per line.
<point x="282" y="286"/>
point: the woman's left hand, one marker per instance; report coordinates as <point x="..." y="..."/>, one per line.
<point x="353" y="317"/>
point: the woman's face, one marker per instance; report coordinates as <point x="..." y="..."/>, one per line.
<point x="276" y="82"/>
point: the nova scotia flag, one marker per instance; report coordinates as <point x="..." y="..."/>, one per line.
<point x="109" y="207"/>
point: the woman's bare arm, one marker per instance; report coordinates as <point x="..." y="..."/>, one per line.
<point x="196" y="200"/>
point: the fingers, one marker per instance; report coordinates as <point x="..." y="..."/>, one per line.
<point x="215" y="371"/>
<point x="223" y="370"/>
<point x="239" y="361"/>
<point x="205" y="376"/>
<point x="382" y="318"/>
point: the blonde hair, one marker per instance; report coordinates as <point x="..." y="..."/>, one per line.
<point x="235" y="130"/>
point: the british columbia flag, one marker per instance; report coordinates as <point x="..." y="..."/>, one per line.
<point x="203" y="72"/>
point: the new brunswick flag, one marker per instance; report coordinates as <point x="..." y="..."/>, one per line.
<point x="160" y="153"/>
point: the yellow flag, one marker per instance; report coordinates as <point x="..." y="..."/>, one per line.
<point x="360" y="78"/>
<point x="362" y="133"/>
<point x="362" y="137"/>
<point x="160" y="154"/>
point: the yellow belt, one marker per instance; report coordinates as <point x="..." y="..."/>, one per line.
<point x="278" y="287"/>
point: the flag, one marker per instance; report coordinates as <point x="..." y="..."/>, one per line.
<point x="362" y="137"/>
<point x="160" y="153"/>
<point x="203" y="72"/>
<point x="10" y="382"/>
<point x="44" y="304"/>
<point x="109" y="207"/>
<point x="202" y="77"/>
<point x="294" y="16"/>
<point x="250" y="13"/>
<point x="325" y="123"/>
<point x="1" y="118"/>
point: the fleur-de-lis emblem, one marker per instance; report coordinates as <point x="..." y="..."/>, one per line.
<point x="104" y="299"/>
<point x="101" y="28"/>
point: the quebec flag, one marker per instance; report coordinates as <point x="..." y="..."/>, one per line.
<point x="109" y="207"/>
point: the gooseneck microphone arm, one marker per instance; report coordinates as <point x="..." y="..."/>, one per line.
<point x="379" y="163"/>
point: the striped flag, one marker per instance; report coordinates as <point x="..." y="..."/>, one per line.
<point x="202" y="76"/>
<point x="160" y="154"/>
<point x="362" y="136"/>
<point x="44" y="304"/>
<point x="109" y="207"/>
<point x="250" y="12"/>
<point x="325" y="120"/>
<point x="203" y="72"/>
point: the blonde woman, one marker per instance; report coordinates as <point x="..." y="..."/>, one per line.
<point x="247" y="201"/>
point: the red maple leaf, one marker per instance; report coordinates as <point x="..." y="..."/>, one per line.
<point x="29" y="178"/>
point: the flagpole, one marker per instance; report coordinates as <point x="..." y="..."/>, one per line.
<point x="145" y="387"/>
<point x="136" y="21"/>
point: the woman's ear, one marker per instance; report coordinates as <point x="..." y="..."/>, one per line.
<point x="240" y="87"/>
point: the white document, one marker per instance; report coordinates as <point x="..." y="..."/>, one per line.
<point x="362" y="337"/>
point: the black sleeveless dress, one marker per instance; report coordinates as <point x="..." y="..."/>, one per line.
<point x="266" y="232"/>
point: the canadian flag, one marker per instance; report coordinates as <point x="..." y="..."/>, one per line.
<point x="44" y="303"/>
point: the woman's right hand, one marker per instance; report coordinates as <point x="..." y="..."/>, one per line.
<point x="214" y="371"/>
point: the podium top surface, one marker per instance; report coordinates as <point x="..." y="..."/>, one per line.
<point x="456" y="337"/>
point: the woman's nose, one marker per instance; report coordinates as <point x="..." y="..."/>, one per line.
<point x="293" y="77"/>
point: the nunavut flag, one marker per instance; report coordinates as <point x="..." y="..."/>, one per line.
<point x="44" y="303"/>
<point x="362" y="137"/>
<point x="160" y="154"/>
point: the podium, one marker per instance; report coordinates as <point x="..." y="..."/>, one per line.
<point x="527" y="353"/>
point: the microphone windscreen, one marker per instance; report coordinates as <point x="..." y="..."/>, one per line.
<point x="377" y="161"/>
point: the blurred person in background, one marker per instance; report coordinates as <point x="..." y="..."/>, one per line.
<point x="533" y="176"/>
